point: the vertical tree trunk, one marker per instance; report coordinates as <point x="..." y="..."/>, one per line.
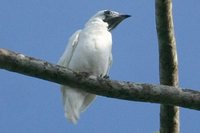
<point x="168" y="63"/>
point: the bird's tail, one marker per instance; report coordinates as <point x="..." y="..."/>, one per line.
<point x="75" y="101"/>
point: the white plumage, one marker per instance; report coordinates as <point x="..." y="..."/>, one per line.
<point x="88" y="50"/>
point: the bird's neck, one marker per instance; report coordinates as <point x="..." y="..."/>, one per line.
<point x="97" y="24"/>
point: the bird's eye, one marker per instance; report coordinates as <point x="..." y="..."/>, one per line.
<point x="107" y="12"/>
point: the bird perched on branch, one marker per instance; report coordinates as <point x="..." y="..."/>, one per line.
<point x="88" y="50"/>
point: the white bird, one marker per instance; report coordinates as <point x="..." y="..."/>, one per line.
<point x="88" y="50"/>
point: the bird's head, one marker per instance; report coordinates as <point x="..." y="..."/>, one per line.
<point x="111" y="18"/>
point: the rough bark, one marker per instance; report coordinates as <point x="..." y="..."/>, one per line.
<point x="22" y="64"/>
<point x="169" y="115"/>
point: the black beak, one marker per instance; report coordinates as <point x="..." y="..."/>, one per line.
<point x="113" y="21"/>
<point x="124" y="16"/>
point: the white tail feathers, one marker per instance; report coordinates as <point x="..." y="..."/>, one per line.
<point x="75" y="101"/>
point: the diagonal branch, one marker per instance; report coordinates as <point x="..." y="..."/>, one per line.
<point x="22" y="64"/>
<point x="169" y="115"/>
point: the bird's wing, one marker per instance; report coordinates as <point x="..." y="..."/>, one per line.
<point x="110" y="62"/>
<point x="67" y="55"/>
<point x="72" y="99"/>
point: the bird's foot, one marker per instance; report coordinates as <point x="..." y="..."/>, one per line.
<point x="82" y="74"/>
<point x="105" y="76"/>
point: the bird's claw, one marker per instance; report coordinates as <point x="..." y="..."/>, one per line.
<point x="105" y="76"/>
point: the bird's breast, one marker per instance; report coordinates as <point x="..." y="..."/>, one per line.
<point x="92" y="52"/>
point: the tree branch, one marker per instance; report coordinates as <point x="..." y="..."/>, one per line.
<point x="169" y="115"/>
<point x="20" y="63"/>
